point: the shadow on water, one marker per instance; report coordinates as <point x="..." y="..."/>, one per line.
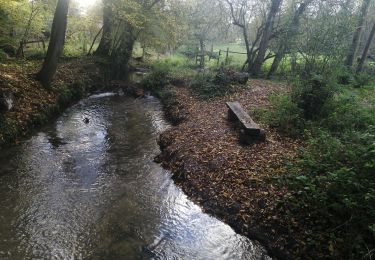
<point x="91" y="190"/>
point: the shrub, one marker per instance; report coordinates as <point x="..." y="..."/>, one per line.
<point x="3" y="56"/>
<point x="189" y="51"/>
<point x="344" y="76"/>
<point x="157" y="79"/>
<point x="311" y="95"/>
<point x="362" y="79"/>
<point x="205" y="85"/>
<point x="335" y="177"/>
<point x="347" y="113"/>
<point x="78" y="89"/>
<point x="65" y="95"/>
<point x="283" y="114"/>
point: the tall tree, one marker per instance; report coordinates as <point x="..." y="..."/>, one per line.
<point x="357" y="34"/>
<point x="291" y="32"/>
<point x="239" y="19"/>
<point x="56" y="44"/>
<point x="105" y="43"/>
<point x="365" y="51"/>
<point x="275" y="5"/>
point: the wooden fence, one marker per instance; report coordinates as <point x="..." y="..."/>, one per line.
<point x="216" y="55"/>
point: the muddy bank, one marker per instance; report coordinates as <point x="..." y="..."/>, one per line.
<point x="33" y="105"/>
<point x="229" y="180"/>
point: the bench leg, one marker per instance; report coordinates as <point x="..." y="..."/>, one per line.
<point x="231" y="116"/>
<point x="252" y="139"/>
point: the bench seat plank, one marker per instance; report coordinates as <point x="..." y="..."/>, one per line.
<point x="249" y="129"/>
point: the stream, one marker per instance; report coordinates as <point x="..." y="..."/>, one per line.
<point x="89" y="189"/>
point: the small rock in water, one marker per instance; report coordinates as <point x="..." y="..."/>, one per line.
<point x="86" y="120"/>
<point x="6" y="101"/>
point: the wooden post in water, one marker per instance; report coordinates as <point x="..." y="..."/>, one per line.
<point x="218" y="58"/>
<point x="227" y="56"/>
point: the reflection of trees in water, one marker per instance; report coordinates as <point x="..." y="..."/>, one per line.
<point x="132" y="220"/>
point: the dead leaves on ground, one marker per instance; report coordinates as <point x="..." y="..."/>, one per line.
<point x="31" y="99"/>
<point x="230" y="180"/>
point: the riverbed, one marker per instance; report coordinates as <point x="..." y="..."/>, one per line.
<point x="86" y="187"/>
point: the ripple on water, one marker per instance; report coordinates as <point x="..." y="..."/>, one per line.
<point x="91" y="190"/>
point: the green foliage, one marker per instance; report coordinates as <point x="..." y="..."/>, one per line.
<point x="312" y="94"/>
<point x="202" y="84"/>
<point x="334" y="176"/>
<point x="3" y="56"/>
<point x="189" y="51"/>
<point x="307" y="101"/>
<point x="283" y="114"/>
<point x="79" y="89"/>
<point x="347" y="77"/>
<point x="210" y="85"/>
<point x="167" y="96"/>
<point x="363" y="79"/>
<point x="65" y="95"/>
<point x="157" y="79"/>
<point x="348" y="113"/>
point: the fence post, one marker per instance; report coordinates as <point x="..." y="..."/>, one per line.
<point x="44" y="47"/>
<point x="212" y="52"/>
<point x="196" y="56"/>
<point x="226" y="57"/>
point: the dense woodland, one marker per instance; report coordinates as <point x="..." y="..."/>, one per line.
<point x="322" y="52"/>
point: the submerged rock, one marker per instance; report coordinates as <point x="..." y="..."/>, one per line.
<point x="6" y="101"/>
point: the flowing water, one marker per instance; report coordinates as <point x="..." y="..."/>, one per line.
<point x="89" y="189"/>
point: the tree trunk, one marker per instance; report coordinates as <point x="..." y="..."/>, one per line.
<point x="105" y="43"/>
<point x="256" y="69"/>
<point x="357" y="34"/>
<point x="201" y="43"/>
<point x="94" y="40"/>
<point x="248" y="49"/>
<point x="291" y="33"/>
<point x="56" y="44"/>
<point x="121" y="55"/>
<point x="276" y="61"/>
<point x="367" y="48"/>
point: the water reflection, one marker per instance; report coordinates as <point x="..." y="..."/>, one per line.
<point x="82" y="190"/>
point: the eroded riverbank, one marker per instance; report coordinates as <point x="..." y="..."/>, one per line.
<point x="33" y="105"/>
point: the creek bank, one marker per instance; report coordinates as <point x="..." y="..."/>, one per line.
<point x="231" y="181"/>
<point x="32" y="105"/>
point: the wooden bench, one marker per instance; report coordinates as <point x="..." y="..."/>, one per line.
<point x="250" y="132"/>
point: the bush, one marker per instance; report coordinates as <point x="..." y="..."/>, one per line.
<point x="311" y="95"/>
<point x="283" y="114"/>
<point x="335" y="177"/>
<point x="344" y="75"/>
<point x="188" y="51"/>
<point x="3" y="56"/>
<point x="205" y="85"/>
<point x="362" y="79"/>
<point x="64" y="95"/>
<point x="157" y="79"/>
<point x="347" y="113"/>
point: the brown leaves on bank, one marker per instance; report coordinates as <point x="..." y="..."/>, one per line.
<point x="228" y="179"/>
<point x="31" y="100"/>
